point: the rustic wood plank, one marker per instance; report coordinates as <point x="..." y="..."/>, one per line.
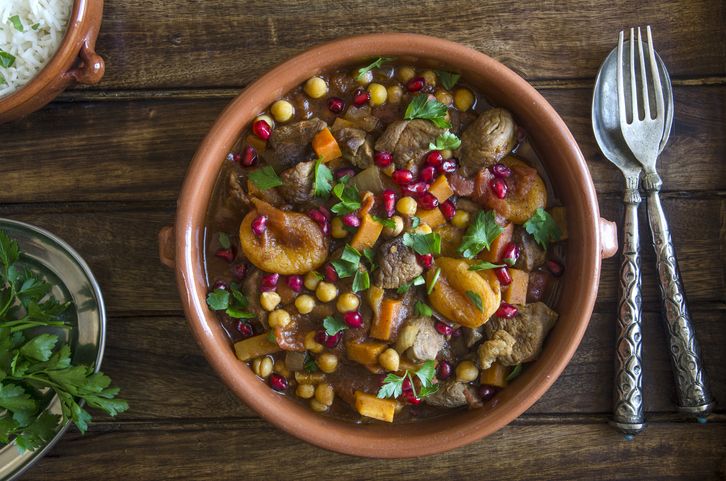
<point x="193" y="44"/>
<point x="251" y="449"/>
<point x="139" y="150"/>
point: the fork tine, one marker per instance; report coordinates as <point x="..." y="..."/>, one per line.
<point x="633" y="85"/>
<point x="643" y="79"/>
<point x="658" y="88"/>
<point x="621" y="87"/>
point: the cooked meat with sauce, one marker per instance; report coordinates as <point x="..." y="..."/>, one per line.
<point x="297" y="187"/>
<point x="408" y="141"/>
<point x="489" y="138"/>
<point x="397" y="264"/>
<point x="528" y="328"/>
<point x="290" y="144"/>
<point x="356" y="146"/>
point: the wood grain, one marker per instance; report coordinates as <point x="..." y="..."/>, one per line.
<point x="139" y="150"/>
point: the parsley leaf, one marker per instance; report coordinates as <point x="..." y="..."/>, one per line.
<point x="484" y="265"/>
<point x="323" y="181"/>
<point x="35" y="26"/>
<point x="15" y="20"/>
<point x="448" y="79"/>
<point x="434" y="280"/>
<point x="348" y="196"/>
<point x="265" y="178"/>
<point x="361" y="281"/>
<point x="218" y="300"/>
<point x="309" y="364"/>
<point x="370" y="256"/>
<point x="480" y="234"/>
<point x="224" y="240"/>
<point x="40" y="347"/>
<point x="447" y="140"/>
<point x="423" y="309"/>
<point x="515" y="373"/>
<point x="375" y="64"/>
<point x="333" y="325"/>
<point x="415" y="222"/>
<point x="417" y="281"/>
<point x="348" y="263"/>
<point x="475" y="299"/>
<point x="6" y="59"/>
<point x="423" y="243"/>
<point x="543" y="228"/>
<point x="3" y="80"/>
<point x="422" y="107"/>
<point x="393" y="385"/>
<point x="390" y="223"/>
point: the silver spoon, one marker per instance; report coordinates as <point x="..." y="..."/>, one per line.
<point x="628" y="414"/>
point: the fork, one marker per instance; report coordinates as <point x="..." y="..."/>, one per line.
<point x="643" y="136"/>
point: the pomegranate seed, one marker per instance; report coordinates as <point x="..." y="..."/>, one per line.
<point x="245" y="329"/>
<point x="402" y="176"/>
<point x="434" y="159"/>
<point x="415" y="188"/>
<point x="503" y="275"/>
<point x="334" y="340"/>
<point x="428" y="201"/>
<point x="239" y="271"/>
<point x="555" y="267"/>
<point x="331" y="275"/>
<point x="234" y="156"/>
<point x="277" y="382"/>
<point x="259" y="225"/>
<point x="248" y="157"/>
<point x="317" y="216"/>
<point x="486" y="392"/>
<point x="500" y="170"/>
<point x="336" y="105"/>
<point x="321" y="218"/>
<point x="389" y="202"/>
<point x="269" y="282"/>
<point x="448" y="166"/>
<point x="351" y="219"/>
<point x="443" y="329"/>
<point x="406" y="385"/>
<point x="506" y="311"/>
<point x="325" y="211"/>
<point x="443" y="370"/>
<point x="343" y="171"/>
<point x="427" y="174"/>
<point x="321" y="336"/>
<point x="383" y="159"/>
<point x="353" y="319"/>
<point x="220" y="284"/>
<point x="261" y="129"/>
<point x="415" y="84"/>
<point x="510" y="254"/>
<point x="226" y="254"/>
<point x="425" y="260"/>
<point x="448" y="209"/>
<point x="411" y="398"/>
<point x="361" y="97"/>
<point x="295" y="283"/>
<point x="498" y="187"/>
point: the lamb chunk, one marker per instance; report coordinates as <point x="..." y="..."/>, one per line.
<point x="297" y="187"/>
<point x="451" y="394"/>
<point x="290" y="144"/>
<point x="428" y="341"/>
<point x="356" y="146"/>
<point x="236" y="191"/>
<point x="408" y="141"/>
<point x="472" y="336"/>
<point x="294" y="360"/>
<point x="363" y="118"/>
<point x="397" y="263"/>
<point x="531" y="254"/>
<point x="500" y="345"/>
<point x="529" y="327"/>
<point x="489" y="138"/>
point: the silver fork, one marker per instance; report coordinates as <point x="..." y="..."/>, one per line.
<point x="643" y="136"/>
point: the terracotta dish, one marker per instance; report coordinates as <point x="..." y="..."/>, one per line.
<point x="591" y="239"/>
<point x="75" y="61"/>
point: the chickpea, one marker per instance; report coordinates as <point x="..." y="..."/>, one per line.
<point x="336" y="228"/>
<point x="460" y="219"/>
<point x="379" y="94"/>
<point x="282" y="110"/>
<point x="324" y="394"/>
<point x="280" y="368"/>
<point x="317" y="406"/>
<point x="389" y="359"/>
<point x="269" y="300"/>
<point x="394" y="231"/>
<point x="316" y="87"/>
<point x="423" y="229"/>
<point x="389" y="170"/>
<point x="311" y="344"/>
<point x="466" y="371"/>
<point x="311" y="281"/>
<point x="395" y="93"/>
<point x="364" y="79"/>
<point x="304" y="304"/>
<point x="327" y="362"/>
<point x="262" y="366"/>
<point x="463" y="99"/>
<point x="305" y="391"/>
<point x="444" y="97"/>
<point x="347" y="302"/>
<point x="279" y="318"/>
<point x="406" y="206"/>
<point x="326" y="291"/>
<point x="406" y="73"/>
<point x="430" y="77"/>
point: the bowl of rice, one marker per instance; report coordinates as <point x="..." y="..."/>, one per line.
<point x="45" y="46"/>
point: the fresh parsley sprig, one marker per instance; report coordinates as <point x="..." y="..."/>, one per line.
<point x="423" y="107"/>
<point x="265" y="178"/>
<point x="231" y="301"/>
<point x="446" y="141"/>
<point x="480" y="234"/>
<point x="543" y="228"/>
<point x="393" y="385"/>
<point x="323" y="179"/>
<point x="448" y="79"/>
<point x="348" y="196"/>
<point x="423" y="244"/>
<point x="375" y="64"/>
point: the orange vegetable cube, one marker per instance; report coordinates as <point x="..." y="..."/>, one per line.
<point x="496" y="375"/>
<point x="516" y="292"/>
<point x="365" y="352"/>
<point x="325" y="145"/>
<point x="441" y="188"/>
<point x="370" y="406"/>
<point x="434" y="218"/>
<point x="382" y="325"/>
<point x="367" y="234"/>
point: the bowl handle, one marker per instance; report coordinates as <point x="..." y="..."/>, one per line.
<point x="608" y="238"/>
<point x="92" y="66"/>
<point x="167" y="246"/>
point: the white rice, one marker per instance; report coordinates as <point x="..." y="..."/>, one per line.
<point x="33" y="47"/>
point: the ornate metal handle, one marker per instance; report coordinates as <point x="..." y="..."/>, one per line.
<point x="628" y="395"/>
<point x="694" y="397"/>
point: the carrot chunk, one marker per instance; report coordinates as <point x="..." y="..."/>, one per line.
<point x="325" y="145"/>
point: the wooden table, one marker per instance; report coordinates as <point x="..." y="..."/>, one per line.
<point x="102" y="167"/>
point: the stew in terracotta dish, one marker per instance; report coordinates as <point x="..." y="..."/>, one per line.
<point x="382" y="244"/>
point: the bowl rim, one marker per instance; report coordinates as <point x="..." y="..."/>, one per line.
<point x="375" y="440"/>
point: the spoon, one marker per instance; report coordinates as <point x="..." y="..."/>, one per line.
<point x="628" y="414"/>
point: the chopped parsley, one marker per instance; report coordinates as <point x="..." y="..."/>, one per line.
<point x="515" y="373"/>
<point x="6" y="59"/>
<point x="265" y="178"/>
<point x="370" y="254"/>
<point x="361" y="281"/>
<point x="15" y="20"/>
<point x="393" y="385"/>
<point x="484" y="265"/>
<point x="231" y="301"/>
<point x="3" y="81"/>
<point x="348" y="196"/>
<point x="543" y="228"/>
<point x="417" y="281"/>
<point x="333" y="325"/>
<point x="422" y="107"/>
<point x="446" y="141"/>
<point x="309" y="364"/>
<point x="423" y="309"/>
<point x="475" y="299"/>
<point x="480" y="234"/>
<point x="415" y="222"/>
<point x="448" y="79"/>
<point x="375" y="64"/>
<point x="224" y="240"/>
<point x="423" y="243"/>
<point x="323" y="179"/>
<point x="348" y="263"/>
<point x="390" y="223"/>
<point x="434" y="280"/>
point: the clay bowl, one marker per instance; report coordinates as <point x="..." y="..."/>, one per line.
<point x="591" y="239"/>
<point x="74" y="61"/>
